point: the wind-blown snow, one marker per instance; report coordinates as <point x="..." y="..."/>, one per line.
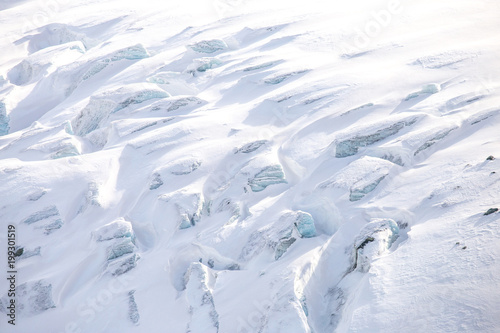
<point x="251" y="166"/>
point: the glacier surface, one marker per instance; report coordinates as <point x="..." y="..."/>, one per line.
<point x="250" y="166"/>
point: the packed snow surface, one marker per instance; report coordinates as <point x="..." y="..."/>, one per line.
<point x="251" y="166"/>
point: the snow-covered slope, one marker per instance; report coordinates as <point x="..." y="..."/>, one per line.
<point x="251" y="166"/>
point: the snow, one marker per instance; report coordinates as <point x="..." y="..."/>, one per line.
<point x="351" y="146"/>
<point x="34" y="298"/>
<point x="4" y="120"/>
<point x="117" y="229"/>
<point x="305" y="224"/>
<point x="120" y="249"/>
<point x="208" y="46"/>
<point x="133" y="312"/>
<point x="374" y="239"/>
<point x="270" y="175"/>
<point x="205" y="64"/>
<point x="251" y="147"/>
<point x="199" y="295"/>
<point x="251" y="166"/>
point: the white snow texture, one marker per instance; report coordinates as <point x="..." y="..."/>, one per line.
<point x="240" y="166"/>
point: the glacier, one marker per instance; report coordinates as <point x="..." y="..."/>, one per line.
<point x="209" y="46"/>
<point x="250" y="166"/>
<point x="33" y="298"/>
<point x="351" y="146"/>
<point x="115" y="230"/>
<point x="270" y="175"/>
<point x="4" y="120"/>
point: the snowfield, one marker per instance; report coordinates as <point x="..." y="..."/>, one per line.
<point x="242" y="166"/>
